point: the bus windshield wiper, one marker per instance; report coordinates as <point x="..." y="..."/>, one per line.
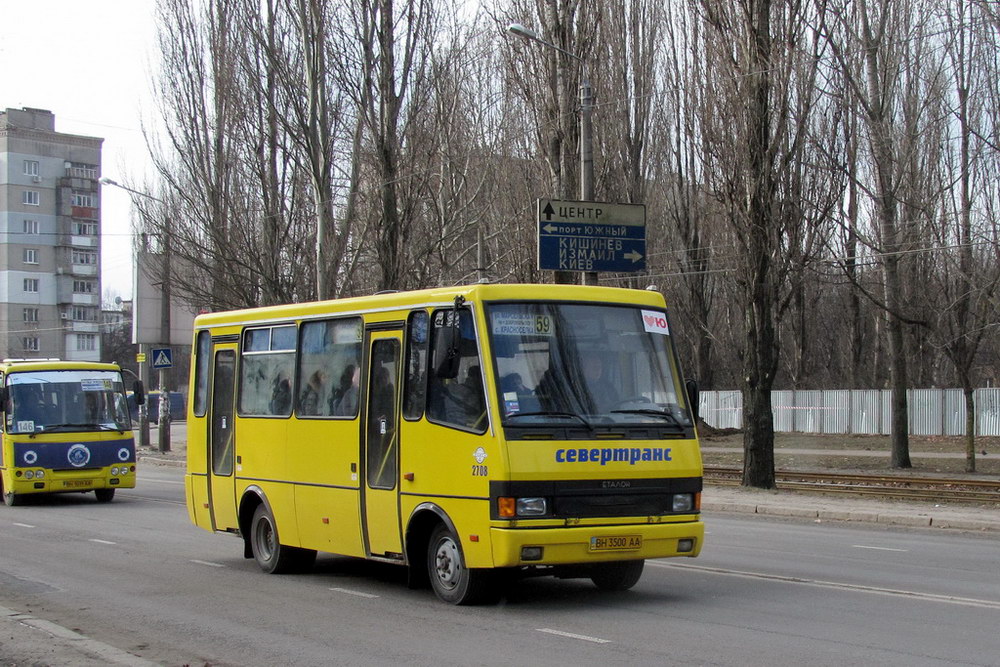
<point x="571" y="415"/>
<point x="655" y="413"/>
<point x="90" y="425"/>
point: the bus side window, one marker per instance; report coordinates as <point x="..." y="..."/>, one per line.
<point x="203" y="358"/>
<point x="458" y="401"/>
<point x="329" y="368"/>
<point x="416" y="366"/>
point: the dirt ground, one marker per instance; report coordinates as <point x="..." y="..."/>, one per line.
<point x="987" y="452"/>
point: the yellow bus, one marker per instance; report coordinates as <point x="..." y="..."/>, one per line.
<point x="467" y="433"/>
<point x="65" y="429"/>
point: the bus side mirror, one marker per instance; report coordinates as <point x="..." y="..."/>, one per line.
<point x="140" y="392"/>
<point x="691" y="386"/>
<point x="446" y="356"/>
<point x="4" y="395"/>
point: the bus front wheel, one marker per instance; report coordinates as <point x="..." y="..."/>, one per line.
<point x="617" y="576"/>
<point x="104" y="495"/>
<point x="273" y="556"/>
<point x="451" y="580"/>
<point x="10" y="499"/>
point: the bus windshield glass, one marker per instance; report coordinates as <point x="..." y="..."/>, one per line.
<point x="590" y="364"/>
<point x="66" y="400"/>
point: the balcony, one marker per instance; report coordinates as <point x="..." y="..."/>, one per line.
<point x="83" y="241"/>
<point x="84" y="299"/>
<point x="84" y="212"/>
<point x="84" y="269"/>
<point x="83" y="327"/>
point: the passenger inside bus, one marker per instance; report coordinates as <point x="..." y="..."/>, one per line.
<point x="346" y="401"/>
<point x="603" y="394"/>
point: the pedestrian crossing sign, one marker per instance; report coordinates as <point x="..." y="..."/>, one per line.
<point x="162" y="357"/>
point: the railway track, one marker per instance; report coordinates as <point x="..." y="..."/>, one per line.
<point x="886" y="486"/>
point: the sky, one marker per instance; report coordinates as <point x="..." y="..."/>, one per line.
<point x="88" y="62"/>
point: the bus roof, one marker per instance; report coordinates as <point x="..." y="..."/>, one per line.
<point x="14" y="365"/>
<point x="433" y="297"/>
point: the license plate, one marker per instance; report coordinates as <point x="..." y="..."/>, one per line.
<point x="76" y="483"/>
<point x="616" y="543"/>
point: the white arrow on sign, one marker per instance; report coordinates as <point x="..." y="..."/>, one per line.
<point x="549" y="228"/>
<point x="634" y="255"/>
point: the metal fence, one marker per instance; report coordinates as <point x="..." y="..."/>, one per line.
<point x="859" y="411"/>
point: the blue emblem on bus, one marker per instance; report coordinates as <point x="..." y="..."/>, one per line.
<point x="30" y="457"/>
<point x="78" y="455"/>
<point x="124" y="454"/>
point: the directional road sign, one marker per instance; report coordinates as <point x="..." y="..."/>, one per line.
<point x="162" y="357"/>
<point x="591" y="236"/>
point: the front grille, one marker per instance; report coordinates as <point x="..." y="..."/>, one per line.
<point x="585" y="507"/>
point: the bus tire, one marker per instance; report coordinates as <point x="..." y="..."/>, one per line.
<point x="104" y="495"/>
<point x="617" y="576"/>
<point x="271" y="555"/>
<point x="451" y="580"/>
<point x="11" y="499"/>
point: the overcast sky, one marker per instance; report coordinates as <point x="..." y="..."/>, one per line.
<point x="87" y="61"/>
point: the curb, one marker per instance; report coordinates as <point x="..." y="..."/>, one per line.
<point x="888" y="518"/>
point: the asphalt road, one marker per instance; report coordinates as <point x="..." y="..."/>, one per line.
<point x="136" y="578"/>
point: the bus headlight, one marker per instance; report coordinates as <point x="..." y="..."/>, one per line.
<point x="30" y="474"/>
<point x="39" y="474"/>
<point x="683" y="502"/>
<point x="114" y="470"/>
<point x="532" y="507"/>
<point x="124" y="470"/>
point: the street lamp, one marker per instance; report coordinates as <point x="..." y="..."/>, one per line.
<point x="586" y="123"/>
<point x="163" y="421"/>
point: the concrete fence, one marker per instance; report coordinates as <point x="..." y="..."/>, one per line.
<point x="859" y="411"/>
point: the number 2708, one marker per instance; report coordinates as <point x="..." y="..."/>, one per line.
<point x="480" y="471"/>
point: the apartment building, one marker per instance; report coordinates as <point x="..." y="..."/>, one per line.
<point x="50" y="253"/>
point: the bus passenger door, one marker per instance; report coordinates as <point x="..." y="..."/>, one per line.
<point x="221" y="441"/>
<point x="380" y="446"/>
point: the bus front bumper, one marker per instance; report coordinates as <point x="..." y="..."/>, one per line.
<point x="68" y="482"/>
<point x="513" y="547"/>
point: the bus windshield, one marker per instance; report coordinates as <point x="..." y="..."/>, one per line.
<point x="66" y="400"/>
<point x="594" y="364"/>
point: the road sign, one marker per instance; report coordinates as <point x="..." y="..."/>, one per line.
<point x="591" y="236"/>
<point x="140" y="357"/>
<point x="162" y="357"/>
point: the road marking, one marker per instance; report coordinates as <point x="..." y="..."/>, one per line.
<point x="101" y="541"/>
<point x="23" y="525"/>
<point x="895" y="592"/>
<point x="152" y="480"/>
<point x="205" y="562"/>
<point x="862" y="546"/>
<point x="356" y="593"/>
<point x="585" y="638"/>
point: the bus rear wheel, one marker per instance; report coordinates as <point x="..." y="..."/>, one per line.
<point x="104" y="495"/>
<point x="271" y="555"/>
<point x="617" y="576"/>
<point x="451" y="580"/>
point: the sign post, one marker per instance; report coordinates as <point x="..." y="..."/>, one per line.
<point x="162" y="360"/>
<point x="591" y="236"/>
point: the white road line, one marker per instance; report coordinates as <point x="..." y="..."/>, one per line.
<point x="101" y="541"/>
<point x="356" y="593"/>
<point x="913" y="595"/>
<point x="23" y="525"/>
<point x="585" y="638"/>
<point x="150" y="480"/>
<point x="205" y="562"/>
<point x="862" y="546"/>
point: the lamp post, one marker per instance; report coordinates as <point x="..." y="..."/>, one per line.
<point x="163" y="421"/>
<point x="586" y="124"/>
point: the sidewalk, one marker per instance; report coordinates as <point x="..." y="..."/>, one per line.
<point x="775" y="503"/>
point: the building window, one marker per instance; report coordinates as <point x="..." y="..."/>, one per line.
<point x="31" y="227"/>
<point x="81" y="257"/>
<point x="31" y="167"/>
<point x="31" y="255"/>
<point x="83" y="199"/>
<point x="83" y="287"/>
<point x="85" y="228"/>
<point x="82" y="170"/>
<point x="31" y="285"/>
<point x="29" y="197"/>
<point x="30" y="314"/>
<point x="81" y="314"/>
<point x="86" y="342"/>
<point x="30" y="343"/>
